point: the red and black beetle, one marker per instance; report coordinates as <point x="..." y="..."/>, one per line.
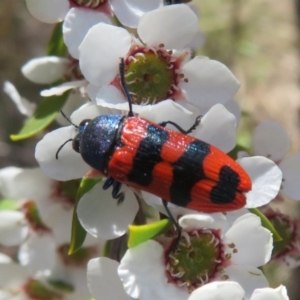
<point x="169" y="164"/>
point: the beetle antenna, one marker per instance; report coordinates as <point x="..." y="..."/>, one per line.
<point x="124" y="86"/>
<point x="68" y="119"/>
<point x="58" y="150"/>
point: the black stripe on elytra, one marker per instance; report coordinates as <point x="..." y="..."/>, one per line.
<point x="148" y="155"/>
<point x="225" y="190"/>
<point x="188" y="170"/>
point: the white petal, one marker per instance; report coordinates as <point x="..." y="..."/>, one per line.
<point x="7" y="181"/>
<point x="249" y="277"/>
<point x="199" y="221"/>
<point x="75" y="100"/>
<point x="169" y="110"/>
<point x="290" y="167"/>
<point x="209" y="82"/>
<point x="26" y="184"/>
<point x="46" y="69"/>
<point x="142" y="271"/>
<point x="198" y="41"/>
<point x="59" y="219"/>
<point x="13" y="228"/>
<point x="4" y="259"/>
<point x="218" y="127"/>
<point x="48" y="11"/>
<point x="38" y="253"/>
<point x="103" y="280"/>
<point x="25" y="107"/>
<point x="218" y="290"/>
<point x="101" y="215"/>
<point x="270" y="139"/>
<point x="69" y="164"/>
<point x="279" y="293"/>
<point x="77" y="23"/>
<point x="13" y="275"/>
<point x="266" y="180"/>
<point x="89" y="111"/>
<point x="247" y="233"/>
<point x="109" y="94"/>
<point x="129" y="12"/>
<point x="157" y="26"/>
<point x="233" y="107"/>
<point x="100" y="52"/>
<point x="60" y="89"/>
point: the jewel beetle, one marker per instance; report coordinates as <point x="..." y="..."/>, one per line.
<point x="169" y="164"/>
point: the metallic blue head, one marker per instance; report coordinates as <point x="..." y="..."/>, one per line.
<point x="96" y="140"/>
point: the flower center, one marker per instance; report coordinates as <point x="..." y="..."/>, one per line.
<point x="152" y="75"/>
<point x="195" y="259"/>
<point x="35" y="290"/>
<point x="73" y="71"/>
<point x="33" y="217"/>
<point x="78" y="259"/>
<point x="288" y="230"/>
<point x="88" y="3"/>
<point x="66" y="191"/>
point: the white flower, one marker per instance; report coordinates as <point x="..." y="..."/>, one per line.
<point x="25" y="107"/>
<point x="128" y="12"/>
<point x="209" y="250"/>
<point x="159" y="68"/>
<point x="79" y="16"/>
<point x="270" y="139"/>
<point x="231" y="290"/>
<point x="16" y="282"/>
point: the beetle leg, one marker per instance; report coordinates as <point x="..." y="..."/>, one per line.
<point x="108" y="183"/>
<point x="116" y="192"/>
<point x="175" y="223"/>
<point x="197" y="122"/>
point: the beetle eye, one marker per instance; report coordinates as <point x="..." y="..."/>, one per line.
<point x="84" y="122"/>
<point x="76" y="144"/>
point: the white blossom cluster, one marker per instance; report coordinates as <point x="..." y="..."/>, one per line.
<point x="219" y="255"/>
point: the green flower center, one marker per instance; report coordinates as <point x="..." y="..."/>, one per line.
<point x="151" y="76"/>
<point x="89" y="3"/>
<point x="33" y="217"/>
<point x="195" y="259"/>
<point x="35" y="290"/>
<point x="287" y="229"/>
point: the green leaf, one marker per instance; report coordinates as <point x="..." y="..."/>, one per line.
<point x="7" y="204"/>
<point x="78" y="233"/>
<point x="139" y="234"/>
<point x="267" y="224"/>
<point x="61" y="286"/>
<point x="44" y="115"/>
<point x="56" y="45"/>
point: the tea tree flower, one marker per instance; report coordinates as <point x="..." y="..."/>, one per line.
<point x="209" y="250"/>
<point x="128" y="12"/>
<point x="271" y="140"/>
<point x="80" y="15"/>
<point x="158" y="69"/>
<point x="230" y="290"/>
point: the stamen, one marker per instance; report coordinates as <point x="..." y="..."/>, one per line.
<point x="186" y="236"/>
<point x="130" y="58"/>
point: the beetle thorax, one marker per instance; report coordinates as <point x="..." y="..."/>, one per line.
<point x="98" y="140"/>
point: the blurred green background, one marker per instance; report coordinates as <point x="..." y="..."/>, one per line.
<point x="258" y="40"/>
